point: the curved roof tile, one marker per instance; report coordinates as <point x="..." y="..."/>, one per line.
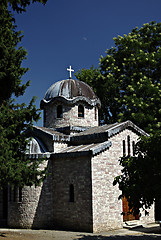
<point x="71" y="91"/>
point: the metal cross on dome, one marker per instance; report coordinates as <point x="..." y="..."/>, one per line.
<point x="70" y="71"/>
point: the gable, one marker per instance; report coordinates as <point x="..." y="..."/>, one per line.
<point x="104" y="132"/>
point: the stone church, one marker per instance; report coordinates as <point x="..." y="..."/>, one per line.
<point x="82" y="160"/>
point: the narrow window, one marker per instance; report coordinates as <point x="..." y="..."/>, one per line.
<point x="59" y="111"/>
<point x="71" y="193"/>
<point x="80" y="111"/>
<point x="128" y="145"/>
<point x="133" y="148"/>
<point x="95" y="113"/>
<point x="20" y="194"/>
<point x="124" y="148"/>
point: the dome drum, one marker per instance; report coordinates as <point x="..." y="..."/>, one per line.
<point x="70" y="103"/>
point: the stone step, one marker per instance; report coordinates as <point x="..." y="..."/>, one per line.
<point x="132" y="224"/>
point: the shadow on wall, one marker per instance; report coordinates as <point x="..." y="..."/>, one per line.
<point x="44" y="212"/>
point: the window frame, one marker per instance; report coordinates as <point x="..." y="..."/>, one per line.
<point x="59" y="111"/>
<point x="80" y="111"/>
<point x="71" y="193"/>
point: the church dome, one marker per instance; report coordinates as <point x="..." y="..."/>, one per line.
<point x="70" y="91"/>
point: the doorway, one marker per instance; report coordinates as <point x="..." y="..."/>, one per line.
<point x="126" y="215"/>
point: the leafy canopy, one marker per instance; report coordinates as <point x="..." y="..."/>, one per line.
<point x="15" y="119"/>
<point x="20" y="5"/>
<point x="133" y="76"/>
<point x="140" y="181"/>
<point x="11" y="58"/>
<point x="129" y="80"/>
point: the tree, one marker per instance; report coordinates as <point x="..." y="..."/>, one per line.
<point x="20" y="5"/>
<point x="10" y="58"/>
<point x="90" y="76"/>
<point x="15" y="119"/>
<point x="94" y="77"/>
<point x="130" y="74"/>
<point x="140" y="181"/>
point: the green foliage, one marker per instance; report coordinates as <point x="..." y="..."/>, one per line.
<point x="130" y="80"/>
<point x="140" y="180"/>
<point x="20" y="5"/>
<point x="91" y="77"/>
<point x="94" y="77"/>
<point x="15" y="168"/>
<point x="15" y="119"/>
<point x="10" y="58"/>
<point x="133" y="76"/>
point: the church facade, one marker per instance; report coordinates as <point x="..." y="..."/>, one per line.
<point x="82" y="160"/>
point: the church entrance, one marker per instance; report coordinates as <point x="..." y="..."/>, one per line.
<point x="127" y="216"/>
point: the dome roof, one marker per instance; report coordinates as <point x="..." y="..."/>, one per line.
<point x="71" y="91"/>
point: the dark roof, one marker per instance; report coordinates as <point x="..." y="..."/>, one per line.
<point x="75" y="151"/>
<point x="50" y="133"/>
<point x="70" y="91"/>
<point x="104" y="132"/>
<point x="90" y="142"/>
<point x="82" y="150"/>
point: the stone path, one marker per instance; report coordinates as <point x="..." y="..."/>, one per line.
<point x="149" y="232"/>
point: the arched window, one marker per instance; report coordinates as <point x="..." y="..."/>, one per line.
<point x="124" y="148"/>
<point x="71" y="193"/>
<point x="95" y="113"/>
<point x="128" y="145"/>
<point x="81" y="111"/>
<point x="59" y="111"/>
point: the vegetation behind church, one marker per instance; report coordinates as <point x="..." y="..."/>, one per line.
<point x="128" y="83"/>
<point x="15" y="118"/>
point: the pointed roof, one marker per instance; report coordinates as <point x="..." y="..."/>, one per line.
<point x="101" y="133"/>
<point x="90" y="142"/>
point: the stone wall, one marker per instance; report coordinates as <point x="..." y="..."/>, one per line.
<point x="106" y="206"/>
<point x="34" y="210"/>
<point x="94" y="205"/>
<point x="76" y="214"/>
<point x="70" y="116"/>
<point x="58" y="146"/>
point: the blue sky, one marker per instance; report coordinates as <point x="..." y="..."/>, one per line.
<point x="76" y="33"/>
